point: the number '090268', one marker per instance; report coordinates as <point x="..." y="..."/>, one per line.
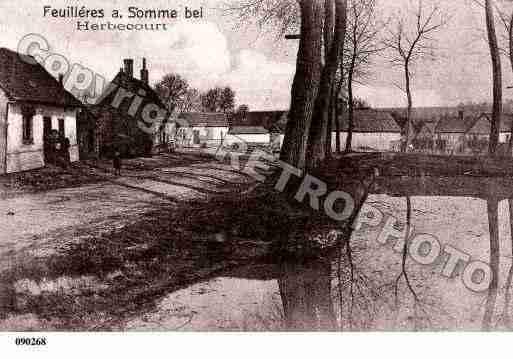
<point x="30" y="341"/>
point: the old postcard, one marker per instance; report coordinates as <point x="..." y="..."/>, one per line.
<point x="255" y="166"/>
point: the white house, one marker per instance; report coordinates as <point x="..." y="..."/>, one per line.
<point x="372" y="131"/>
<point x="253" y="135"/>
<point x="196" y="129"/>
<point x="32" y="104"/>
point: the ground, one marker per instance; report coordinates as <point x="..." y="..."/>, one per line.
<point x="184" y="241"/>
<point x="84" y="255"/>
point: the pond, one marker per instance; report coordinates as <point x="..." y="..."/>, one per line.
<point x="456" y="274"/>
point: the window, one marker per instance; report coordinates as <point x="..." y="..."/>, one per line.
<point x="27" y="128"/>
<point x="61" y="127"/>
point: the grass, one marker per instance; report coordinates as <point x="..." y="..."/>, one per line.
<point x="46" y="179"/>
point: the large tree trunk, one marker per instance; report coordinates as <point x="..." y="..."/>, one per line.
<point x="306" y="84"/>
<point x="497" y="78"/>
<point x="319" y="128"/>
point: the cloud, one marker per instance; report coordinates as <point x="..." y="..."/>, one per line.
<point x="198" y="51"/>
<point x="394" y="97"/>
<point x="260" y="82"/>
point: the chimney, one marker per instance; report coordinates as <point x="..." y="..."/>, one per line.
<point x="129" y="67"/>
<point x="460" y="114"/>
<point x="144" y="72"/>
<point x="61" y="79"/>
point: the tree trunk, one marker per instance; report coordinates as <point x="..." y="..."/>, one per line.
<point x="497" y="78"/>
<point x="319" y="127"/>
<point x="493" y="225"/>
<point x="331" y="120"/>
<point x="510" y="145"/>
<point x="306" y="84"/>
<point x="338" y="145"/>
<point x="407" y="129"/>
<point x="350" y="102"/>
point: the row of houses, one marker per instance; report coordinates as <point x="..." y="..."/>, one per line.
<point x="38" y="116"/>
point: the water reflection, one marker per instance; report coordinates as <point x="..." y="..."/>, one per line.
<point x="360" y="284"/>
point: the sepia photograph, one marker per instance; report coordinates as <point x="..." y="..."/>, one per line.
<point x="255" y="166"/>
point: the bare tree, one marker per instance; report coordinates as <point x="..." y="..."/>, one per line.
<point x="497" y="77"/>
<point x="282" y="14"/>
<point x="411" y="41"/>
<point x="172" y="89"/>
<point x="362" y="43"/>
<point x="191" y="101"/>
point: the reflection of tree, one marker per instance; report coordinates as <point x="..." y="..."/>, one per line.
<point x="507" y="300"/>
<point x="404" y="273"/>
<point x="493" y="225"/>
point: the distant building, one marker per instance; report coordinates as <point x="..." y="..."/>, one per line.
<point x="477" y="138"/>
<point x="33" y="106"/>
<point x="131" y="117"/>
<point x="251" y="135"/>
<point x="259" y="127"/>
<point x="197" y="129"/>
<point x="373" y="130"/>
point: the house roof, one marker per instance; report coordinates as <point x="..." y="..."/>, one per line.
<point x="23" y="81"/>
<point x="248" y="130"/>
<point x="482" y="127"/>
<point x="133" y="85"/>
<point x="371" y="121"/>
<point x="273" y="121"/>
<point x="454" y="124"/>
<point x="204" y="119"/>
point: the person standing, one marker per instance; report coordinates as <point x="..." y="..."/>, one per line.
<point x="117" y="163"/>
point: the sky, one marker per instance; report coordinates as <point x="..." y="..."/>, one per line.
<point x="257" y="63"/>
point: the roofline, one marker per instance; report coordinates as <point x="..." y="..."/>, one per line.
<point x="18" y="99"/>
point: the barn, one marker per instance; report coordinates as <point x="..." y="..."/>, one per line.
<point x="372" y="131"/>
<point x="197" y="129"/>
<point x="251" y="135"/>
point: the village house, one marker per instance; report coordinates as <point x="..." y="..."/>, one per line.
<point x="450" y="133"/>
<point x="478" y="136"/>
<point x="372" y="131"/>
<point x="423" y="135"/>
<point x="250" y="135"/>
<point x="34" y="106"/>
<point x="258" y="128"/>
<point x="200" y="129"/>
<point x="123" y="115"/>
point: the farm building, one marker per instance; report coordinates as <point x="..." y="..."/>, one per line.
<point x="254" y="123"/>
<point x="423" y="135"/>
<point x="195" y="129"/>
<point x="125" y="113"/>
<point x="34" y="107"/>
<point x="450" y="133"/>
<point x="251" y="135"/>
<point x="478" y="136"/>
<point x="372" y="130"/>
<point x="482" y="127"/>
